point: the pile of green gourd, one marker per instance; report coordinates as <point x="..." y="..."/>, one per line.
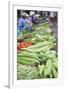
<point x="39" y="60"/>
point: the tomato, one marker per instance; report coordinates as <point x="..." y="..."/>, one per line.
<point x="23" y="45"/>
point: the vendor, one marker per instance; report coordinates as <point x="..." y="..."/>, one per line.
<point x="37" y="18"/>
<point x="28" y="25"/>
<point x="21" y="22"/>
<point x="32" y="17"/>
<point x="24" y="23"/>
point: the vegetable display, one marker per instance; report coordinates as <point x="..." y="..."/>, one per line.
<point x="36" y="55"/>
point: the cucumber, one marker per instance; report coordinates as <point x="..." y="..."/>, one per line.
<point x="55" y="73"/>
<point x="49" y="64"/>
<point x="21" y="59"/>
<point x="43" y="48"/>
<point x="40" y="44"/>
<point x="41" y="69"/>
<point x="42" y="56"/>
<point x="48" y="68"/>
<point x="26" y="62"/>
<point x="27" y="54"/>
<point x="55" y="64"/>
<point x="37" y="50"/>
<point x="45" y="72"/>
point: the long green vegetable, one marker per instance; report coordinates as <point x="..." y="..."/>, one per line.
<point x="39" y="60"/>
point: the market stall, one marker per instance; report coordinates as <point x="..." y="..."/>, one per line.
<point x="37" y="55"/>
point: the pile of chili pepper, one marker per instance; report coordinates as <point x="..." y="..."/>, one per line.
<point x="23" y="45"/>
